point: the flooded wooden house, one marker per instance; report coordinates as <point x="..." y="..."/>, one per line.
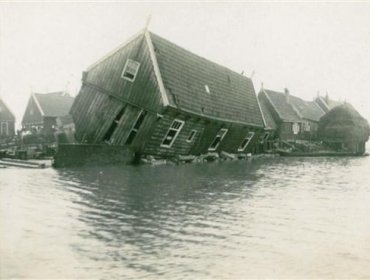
<point x="160" y="99"/>
<point x="291" y="117"/>
<point x="43" y="110"/>
<point x="7" y="121"/>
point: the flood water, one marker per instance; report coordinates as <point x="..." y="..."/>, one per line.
<point x="270" y="218"/>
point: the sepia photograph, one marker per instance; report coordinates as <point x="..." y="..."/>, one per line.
<point x="184" y="140"/>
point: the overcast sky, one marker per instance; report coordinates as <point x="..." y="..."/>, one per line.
<point x="306" y="47"/>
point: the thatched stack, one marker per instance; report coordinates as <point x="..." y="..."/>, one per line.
<point x="344" y="126"/>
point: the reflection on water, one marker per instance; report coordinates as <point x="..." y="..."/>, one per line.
<point x="280" y="217"/>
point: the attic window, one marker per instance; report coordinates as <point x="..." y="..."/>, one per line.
<point x="246" y="141"/>
<point x="172" y="133"/>
<point x="207" y="88"/>
<point x="216" y="142"/>
<point x="130" y="70"/>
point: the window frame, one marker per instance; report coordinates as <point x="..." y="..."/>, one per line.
<point x="134" y="129"/>
<point x="7" y="129"/>
<point x="178" y="130"/>
<point x="242" y="148"/>
<point x="192" y="135"/>
<point x="224" y="131"/>
<point x="125" y="69"/>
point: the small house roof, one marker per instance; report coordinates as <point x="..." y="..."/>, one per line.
<point x="54" y="104"/>
<point x="269" y="120"/>
<point x="195" y="84"/>
<point x="327" y="102"/>
<point x="5" y="113"/>
<point x="293" y="109"/>
<point x="284" y="110"/>
<point x="309" y="110"/>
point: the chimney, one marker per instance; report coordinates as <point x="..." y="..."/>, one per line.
<point x="286" y="92"/>
<point x="327" y="98"/>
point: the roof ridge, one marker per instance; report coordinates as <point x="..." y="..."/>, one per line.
<point x="199" y="56"/>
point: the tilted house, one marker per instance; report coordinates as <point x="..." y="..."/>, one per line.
<point x="160" y="99"/>
<point x="7" y="121"/>
<point x="292" y="117"/>
<point x="43" y="110"/>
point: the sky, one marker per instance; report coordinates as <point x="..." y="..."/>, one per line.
<point x="307" y="47"/>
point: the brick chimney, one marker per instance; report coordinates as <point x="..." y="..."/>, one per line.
<point x="287" y="95"/>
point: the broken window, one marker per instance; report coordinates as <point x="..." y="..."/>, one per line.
<point x="108" y="135"/>
<point x="172" y="133"/>
<point x="246" y="141"/>
<point x="191" y="136"/>
<point x="130" y="70"/>
<point x="216" y="142"/>
<point x="135" y="128"/>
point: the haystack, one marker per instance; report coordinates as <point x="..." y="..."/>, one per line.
<point x="344" y="129"/>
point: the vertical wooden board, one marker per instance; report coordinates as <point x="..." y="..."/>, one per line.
<point x="144" y="90"/>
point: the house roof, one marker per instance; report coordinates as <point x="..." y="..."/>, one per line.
<point x="269" y="120"/>
<point x="295" y="109"/>
<point x="5" y="113"/>
<point x="195" y="84"/>
<point x="54" y="104"/>
<point x="309" y="110"/>
<point x="327" y="102"/>
<point x="284" y="110"/>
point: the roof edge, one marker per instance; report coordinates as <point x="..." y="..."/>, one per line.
<point x="157" y="71"/>
<point x="111" y="53"/>
<point x="7" y="107"/>
<point x="38" y="104"/>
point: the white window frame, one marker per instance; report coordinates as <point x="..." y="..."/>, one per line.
<point x="130" y="64"/>
<point x="7" y="129"/>
<point x="222" y="132"/>
<point x="172" y="128"/>
<point x="191" y="136"/>
<point x="249" y="136"/>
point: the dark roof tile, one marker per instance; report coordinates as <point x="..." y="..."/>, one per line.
<point x="185" y="76"/>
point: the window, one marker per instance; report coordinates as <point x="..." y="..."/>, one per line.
<point x="135" y="128"/>
<point x="246" y="141"/>
<point x="191" y="136"/>
<point x="112" y="128"/>
<point x="265" y="136"/>
<point x="207" y="88"/>
<point x="307" y="126"/>
<point x="216" y="142"/>
<point x="4" y="129"/>
<point x="130" y="70"/>
<point x="172" y="133"/>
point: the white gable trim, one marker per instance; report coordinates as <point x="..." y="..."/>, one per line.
<point x="38" y="104"/>
<point x="156" y="69"/>
<point x="132" y="38"/>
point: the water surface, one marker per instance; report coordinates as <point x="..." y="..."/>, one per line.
<point x="277" y="217"/>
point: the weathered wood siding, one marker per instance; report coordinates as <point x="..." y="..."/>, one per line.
<point x="104" y="93"/>
<point x="206" y="132"/>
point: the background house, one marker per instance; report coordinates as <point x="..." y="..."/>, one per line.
<point x="43" y="110"/>
<point x="7" y="121"/>
<point x="326" y="104"/>
<point x="291" y="117"/>
<point x="160" y="99"/>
